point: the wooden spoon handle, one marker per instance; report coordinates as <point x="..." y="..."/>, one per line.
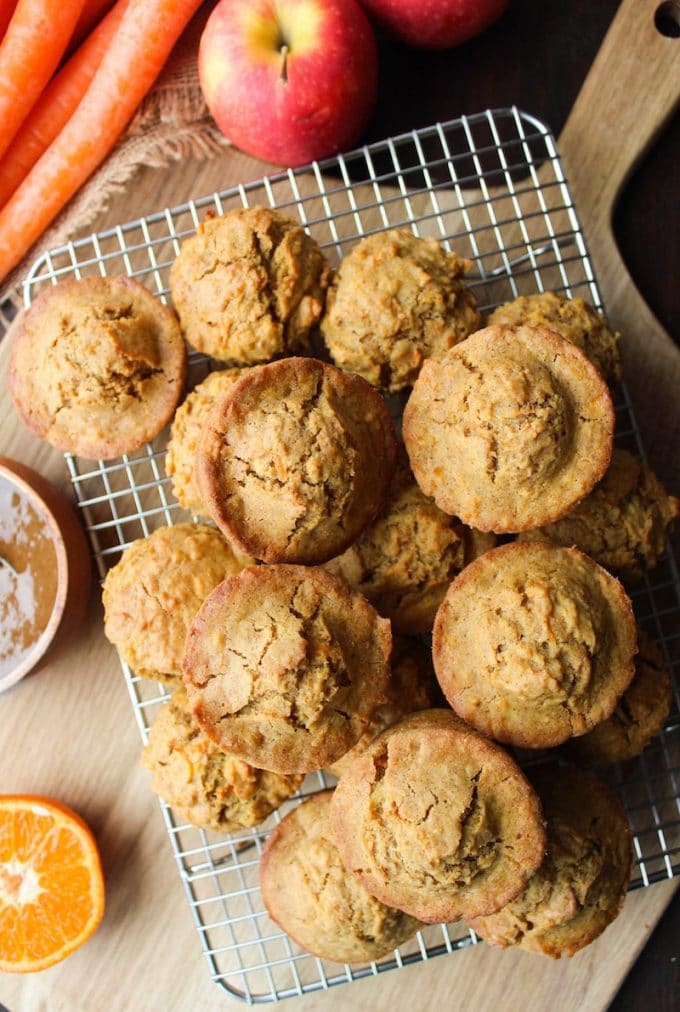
<point x="631" y="90"/>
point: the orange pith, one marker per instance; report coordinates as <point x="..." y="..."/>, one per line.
<point x="51" y="884"/>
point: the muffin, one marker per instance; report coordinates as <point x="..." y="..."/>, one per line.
<point x="286" y="666"/>
<point x="412" y="686"/>
<point x="572" y="319"/>
<point x="624" y="521"/>
<point x="295" y="460"/>
<point x="308" y="892"/>
<point x="534" y="644"/>
<point x="512" y="425"/>
<point x="405" y="560"/>
<point x="152" y="594"/>
<point x="191" y="416"/>
<point x="203" y="785"/>
<point x="640" y="713"/>
<point x="437" y="820"/>
<point x="249" y="286"/>
<point x="395" y="301"/>
<point x="97" y="366"/>
<point x="581" y="885"/>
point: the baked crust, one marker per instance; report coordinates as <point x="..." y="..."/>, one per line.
<point x="185" y="434"/>
<point x="581" y="886"/>
<point x="97" y="366"/>
<point x="285" y="667"/>
<point x="574" y="320"/>
<point x="153" y="592"/>
<point x="249" y="286"/>
<point x="204" y="785"/>
<point x="295" y="460"/>
<point x="438" y="820"/>
<point x="309" y="893"/>
<point x="509" y="429"/>
<point x="534" y="644"/>
<point x="395" y="301"/>
<point x="622" y="524"/>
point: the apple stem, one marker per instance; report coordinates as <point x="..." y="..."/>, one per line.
<point x="284" y="62"/>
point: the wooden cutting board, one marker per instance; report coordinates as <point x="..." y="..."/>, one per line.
<point x="72" y="731"/>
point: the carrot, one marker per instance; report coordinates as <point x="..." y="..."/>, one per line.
<point x="30" y="53"/>
<point x="6" y="12"/>
<point x="56" y="104"/>
<point x="92" y="13"/>
<point x="135" y="58"/>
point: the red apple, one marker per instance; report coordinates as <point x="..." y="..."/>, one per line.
<point x="434" y="24"/>
<point x="289" y="81"/>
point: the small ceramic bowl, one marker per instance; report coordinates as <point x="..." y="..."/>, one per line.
<point x="54" y="521"/>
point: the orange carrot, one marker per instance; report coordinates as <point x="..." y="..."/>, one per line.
<point x="30" y="53"/>
<point x="92" y="13"/>
<point x="56" y="104"/>
<point x="6" y="12"/>
<point x="135" y="58"/>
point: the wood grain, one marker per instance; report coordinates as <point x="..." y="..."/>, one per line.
<point x="69" y="731"/>
<point x="631" y="91"/>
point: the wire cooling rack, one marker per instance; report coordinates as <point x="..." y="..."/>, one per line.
<point x="491" y="187"/>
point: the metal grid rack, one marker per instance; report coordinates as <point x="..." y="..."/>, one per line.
<point x="490" y="186"/>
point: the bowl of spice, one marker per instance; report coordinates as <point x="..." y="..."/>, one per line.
<point x="45" y="571"/>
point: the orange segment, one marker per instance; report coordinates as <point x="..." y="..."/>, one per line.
<point x="51" y="883"/>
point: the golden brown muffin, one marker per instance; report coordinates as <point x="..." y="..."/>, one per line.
<point x="202" y="784"/>
<point x="285" y="667"/>
<point x="308" y="892"/>
<point x="534" y="644"/>
<point x="249" y="286"/>
<point x="395" y="301"/>
<point x="624" y="521"/>
<point x="295" y="460"/>
<point x="639" y="716"/>
<point x="437" y="820"/>
<point x="152" y="594"/>
<point x="185" y="433"/>
<point x="572" y="319"/>
<point x="511" y="425"/>
<point x="580" y="887"/>
<point x="412" y="686"/>
<point x="405" y="560"/>
<point x="97" y="366"/>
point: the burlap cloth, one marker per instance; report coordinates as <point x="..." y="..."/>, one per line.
<point x="172" y="123"/>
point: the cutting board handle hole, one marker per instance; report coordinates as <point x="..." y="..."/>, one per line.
<point x="667" y="19"/>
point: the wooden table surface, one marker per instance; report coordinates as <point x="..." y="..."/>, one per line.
<point x="69" y="731"/>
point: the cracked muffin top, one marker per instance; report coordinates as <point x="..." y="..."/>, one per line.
<point x="437" y="820"/>
<point x="395" y="301"/>
<point x="248" y="286"/>
<point x="405" y="560"/>
<point x="185" y="432"/>
<point x="203" y="785"/>
<point x="534" y="644"/>
<point x="285" y="667"/>
<point x="624" y="521"/>
<point x="572" y="319"/>
<point x="510" y="429"/>
<point x="581" y="885"/>
<point x="151" y="595"/>
<point x="295" y="460"/>
<point x="97" y="366"/>
<point x="309" y="893"/>
<point x="412" y="686"/>
<point x="639" y="716"/>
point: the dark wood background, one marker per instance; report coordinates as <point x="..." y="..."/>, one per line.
<point x="536" y="57"/>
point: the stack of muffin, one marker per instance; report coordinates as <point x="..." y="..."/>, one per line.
<point x="276" y="624"/>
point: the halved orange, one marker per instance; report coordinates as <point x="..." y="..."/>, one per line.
<point x="51" y="883"/>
